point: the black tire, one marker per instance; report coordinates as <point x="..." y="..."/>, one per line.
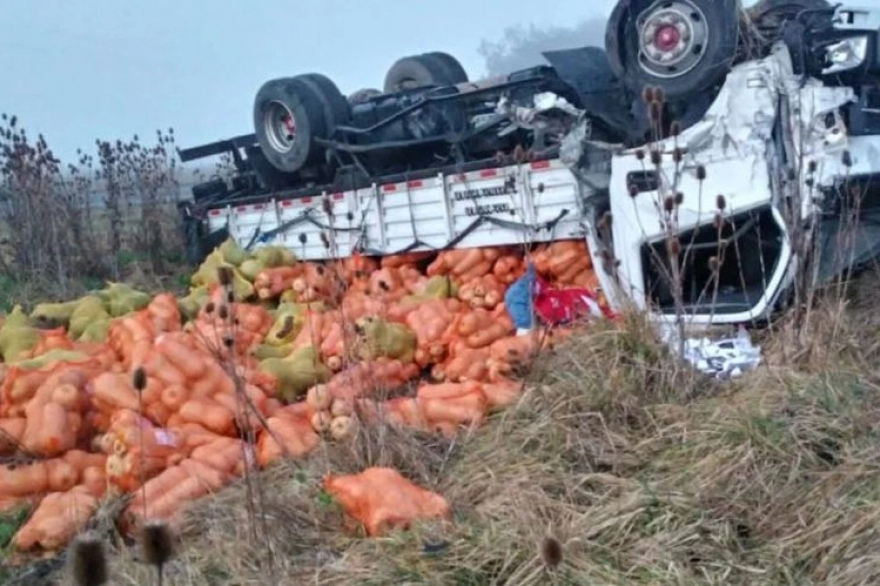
<point x="337" y="110"/>
<point x="298" y="99"/>
<point x="714" y="29"/>
<point x="428" y="69"/>
<point x="454" y="69"/>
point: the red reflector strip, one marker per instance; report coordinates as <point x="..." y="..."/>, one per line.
<point x="338" y="196"/>
<point x="241" y="209"/>
<point x="215" y="212"/>
<point x="306" y="200"/>
<point x="286" y="203"/>
<point x="258" y="206"/>
<point x="389" y="188"/>
<point x="489" y="173"/>
<point x="541" y="165"/>
<point x="415" y="184"/>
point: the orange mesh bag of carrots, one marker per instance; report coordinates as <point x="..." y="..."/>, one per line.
<point x="337" y="344"/>
<point x="223" y="317"/>
<point x="388" y="284"/>
<point x="137" y="450"/>
<point x="225" y="454"/>
<point x="564" y="262"/>
<point x="314" y="283"/>
<point x="434" y="323"/>
<point x="289" y="433"/>
<point x="36" y="478"/>
<point x="509" y="267"/>
<point x="456" y="404"/>
<point x="164" y="496"/>
<point x="368" y="377"/>
<point x="501" y="393"/>
<point x="355" y="271"/>
<point x="464" y="264"/>
<point x="395" y="261"/>
<point x="164" y="313"/>
<point x="57" y="519"/>
<point x="480" y="327"/>
<point x="272" y="282"/>
<point x="54" y="419"/>
<point x="356" y="305"/>
<point x="383" y="500"/>
<point x="483" y="291"/>
<point x="53" y="339"/>
<point x="21" y="384"/>
<point x="132" y="337"/>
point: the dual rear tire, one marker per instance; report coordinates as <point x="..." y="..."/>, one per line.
<point x="292" y="114"/>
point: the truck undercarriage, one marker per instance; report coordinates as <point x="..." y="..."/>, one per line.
<point x="717" y="155"/>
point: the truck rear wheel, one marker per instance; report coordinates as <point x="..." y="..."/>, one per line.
<point x="290" y="113"/>
<point x="682" y="46"/>
<point x="435" y="68"/>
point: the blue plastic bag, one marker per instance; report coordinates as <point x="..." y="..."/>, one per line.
<point x="518" y="299"/>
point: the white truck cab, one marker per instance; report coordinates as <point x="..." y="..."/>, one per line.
<point x="772" y="158"/>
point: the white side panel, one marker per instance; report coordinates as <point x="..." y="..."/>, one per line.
<point x="493" y="207"/>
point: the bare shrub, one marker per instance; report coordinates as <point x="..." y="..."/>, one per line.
<point x="65" y="225"/>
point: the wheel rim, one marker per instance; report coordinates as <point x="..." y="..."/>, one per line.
<point x="672" y="38"/>
<point x="280" y="126"/>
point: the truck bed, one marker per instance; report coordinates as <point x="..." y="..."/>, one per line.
<point x="532" y="202"/>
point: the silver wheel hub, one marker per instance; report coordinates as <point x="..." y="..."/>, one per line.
<point x="672" y="38"/>
<point x="280" y="126"/>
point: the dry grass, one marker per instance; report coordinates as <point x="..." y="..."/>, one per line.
<point x="642" y="471"/>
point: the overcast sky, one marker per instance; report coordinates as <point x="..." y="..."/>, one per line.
<point x="77" y="71"/>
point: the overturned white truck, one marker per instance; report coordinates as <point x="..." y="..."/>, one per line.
<point x="711" y="156"/>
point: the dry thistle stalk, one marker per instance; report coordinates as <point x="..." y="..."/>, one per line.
<point x="655" y="110"/>
<point x="157" y="545"/>
<point x="139" y="379"/>
<point x="677" y="155"/>
<point x="551" y="552"/>
<point x="225" y="276"/>
<point x="88" y="561"/>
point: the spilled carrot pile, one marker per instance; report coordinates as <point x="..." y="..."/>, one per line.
<point x="166" y="399"/>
